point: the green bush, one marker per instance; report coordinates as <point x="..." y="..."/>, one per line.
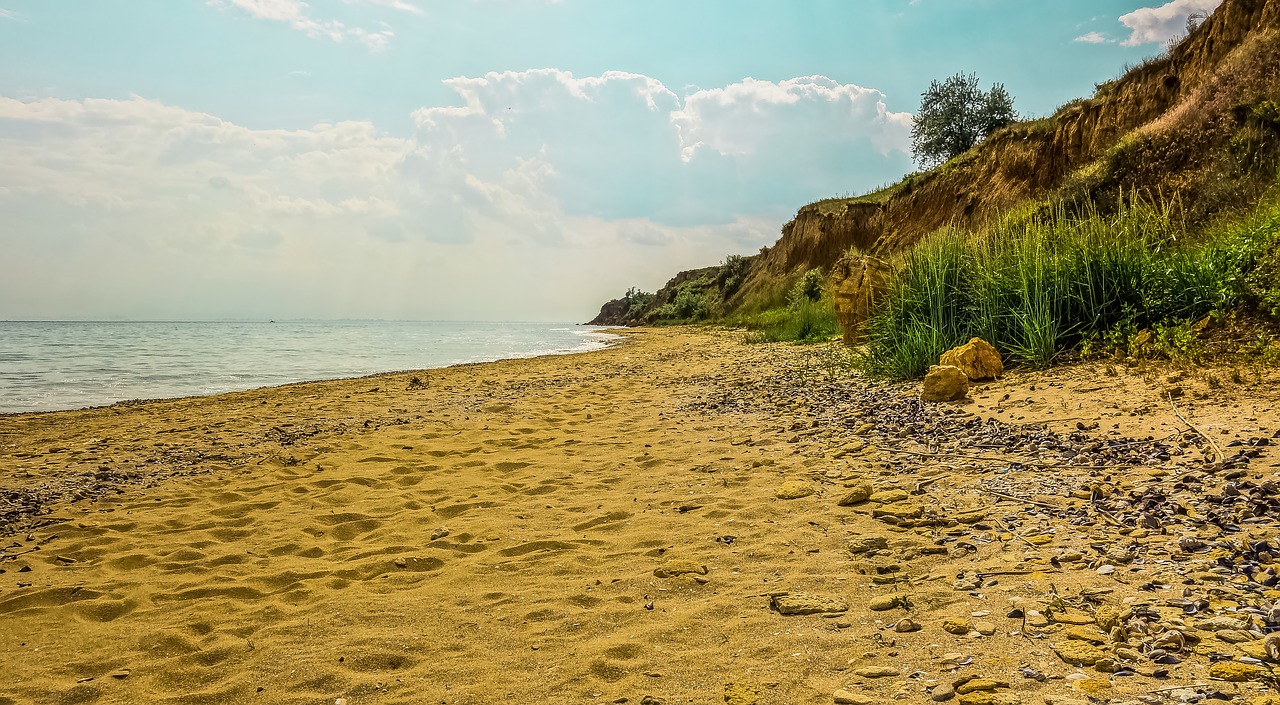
<point x="732" y="271"/>
<point x="807" y="288"/>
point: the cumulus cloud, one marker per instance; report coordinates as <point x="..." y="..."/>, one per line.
<point x="554" y="191"/>
<point x="1091" y="38"/>
<point x="295" y="13"/>
<point x="1160" y="24"/>
<point x="738" y="119"/>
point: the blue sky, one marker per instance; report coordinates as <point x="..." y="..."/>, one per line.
<point x="470" y="159"/>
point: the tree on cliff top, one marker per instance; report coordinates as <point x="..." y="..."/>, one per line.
<point x="955" y="115"/>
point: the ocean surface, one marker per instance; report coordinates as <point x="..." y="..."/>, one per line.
<point x="46" y="366"/>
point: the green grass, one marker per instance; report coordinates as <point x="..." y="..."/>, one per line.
<point x="1038" y="287"/>
<point x="802" y="322"/>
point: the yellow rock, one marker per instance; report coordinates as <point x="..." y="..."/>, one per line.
<point x="888" y="496"/>
<point x="1234" y="671"/>
<point x="976" y="358"/>
<point x="1265" y="700"/>
<point x="674" y="568"/>
<point x="860" y="492"/>
<point x="944" y="383"/>
<point x="1107" y="617"/>
<point x="1256" y="649"/>
<point x="795" y="489"/>
<point x="957" y="626"/>
<point x="1079" y="653"/>
<point x="901" y="511"/>
<point x="980" y="684"/>
<point x="740" y="694"/>
<point x="979" y="698"/>
<point x="1041" y="539"/>
<point x="971" y="517"/>
<point x="1091" y="686"/>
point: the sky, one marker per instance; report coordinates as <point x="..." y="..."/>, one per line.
<point x="521" y="160"/>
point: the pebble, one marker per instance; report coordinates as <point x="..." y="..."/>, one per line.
<point x="856" y="494"/>
<point x="794" y="489"/>
<point x="800" y="603"/>
<point x="844" y="697"/>
<point x="867" y="544"/>
<point x="958" y="627"/>
<point x="884" y="603"/>
<point x="905" y="625"/>
<point x="984" y="628"/>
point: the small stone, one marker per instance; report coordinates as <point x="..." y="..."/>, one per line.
<point x="439" y="533"/>
<point x="799" y="603"/>
<point x="877" y="672"/>
<point x="906" y="625"/>
<point x="741" y="694"/>
<point x="1091" y="686"/>
<point x="1214" y="624"/>
<point x="1234" y="671"/>
<point x="884" y="602"/>
<point x="984" y="628"/>
<point x="1234" y="636"/>
<point x="866" y="544"/>
<point x="1078" y="653"/>
<point x="844" y="697"/>
<point x="944" y="383"/>
<point x="675" y="568"/>
<point x="856" y="494"/>
<point x="888" y="496"/>
<point x="794" y="489"/>
<point x="980" y="684"/>
<point x="943" y="693"/>
<point x="959" y="627"/>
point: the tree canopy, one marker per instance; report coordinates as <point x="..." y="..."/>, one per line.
<point x="956" y="114"/>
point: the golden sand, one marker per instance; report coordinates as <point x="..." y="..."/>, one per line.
<point x="494" y="537"/>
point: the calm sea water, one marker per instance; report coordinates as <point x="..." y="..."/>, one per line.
<point x="46" y="366"/>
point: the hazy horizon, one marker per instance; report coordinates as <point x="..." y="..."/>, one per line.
<point x="512" y="160"/>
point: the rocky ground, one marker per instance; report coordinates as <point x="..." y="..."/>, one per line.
<point x="1085" y="539"/>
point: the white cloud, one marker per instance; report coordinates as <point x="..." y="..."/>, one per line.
<point x="739" y="118"/>
<point x="9" y="15"/>
<point x="295" y="14"/>
<point x="1160" y="24"/>
<point x="554" y="191"/>
<point x="394" y="4"/>
<point x="1091" y="38"/>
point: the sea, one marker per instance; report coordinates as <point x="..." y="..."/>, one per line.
<point x="49" y="366"/>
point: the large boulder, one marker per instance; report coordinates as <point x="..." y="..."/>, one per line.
<point x="976" y="358"/>
<point x="945" y="383"/>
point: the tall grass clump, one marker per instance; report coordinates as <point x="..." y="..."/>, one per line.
<point x="1040" y="285"/>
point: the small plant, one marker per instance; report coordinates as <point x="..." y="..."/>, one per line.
<point x="806" y="289"/>
<point x="415" y="382"/>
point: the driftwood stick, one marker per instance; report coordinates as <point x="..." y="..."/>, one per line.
<point x="1002" y="495"/>
<point x="1221" y="457"/>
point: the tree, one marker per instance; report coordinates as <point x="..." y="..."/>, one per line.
<point x="956" y="114"/>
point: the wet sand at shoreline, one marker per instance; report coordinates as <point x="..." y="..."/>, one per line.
<point x="601" y="527"/>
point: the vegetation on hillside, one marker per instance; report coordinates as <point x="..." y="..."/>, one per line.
<point x="1040" y="286"/>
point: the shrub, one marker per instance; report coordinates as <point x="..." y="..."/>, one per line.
<point x="807" y="288"/>
<point x="732" y="271"/>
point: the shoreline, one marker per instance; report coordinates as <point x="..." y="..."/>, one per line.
<point x="615" y="339"/>
<point x="591" y="527"/>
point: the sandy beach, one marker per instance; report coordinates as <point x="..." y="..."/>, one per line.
<point x="622" y="526"/>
